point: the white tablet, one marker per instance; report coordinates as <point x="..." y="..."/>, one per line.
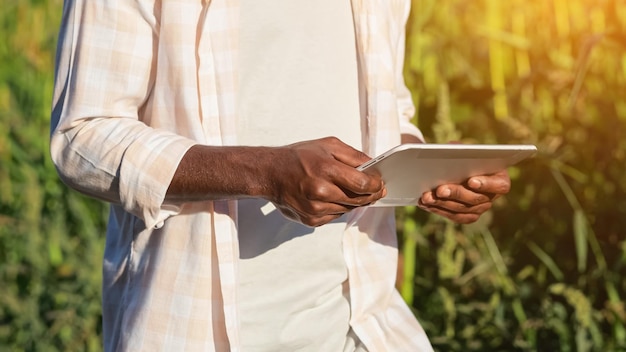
<point x="409" y="170"/>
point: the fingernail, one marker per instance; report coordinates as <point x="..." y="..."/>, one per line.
<point x="475" y="183"/>
<point x="426" y="200"/>
<point x="445" y="193"/>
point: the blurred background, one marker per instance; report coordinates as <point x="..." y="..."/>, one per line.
<point x="543" y="271"/>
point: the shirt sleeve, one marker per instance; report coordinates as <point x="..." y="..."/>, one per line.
<point x="406" y="108"/>
<point x="104" y="73"/>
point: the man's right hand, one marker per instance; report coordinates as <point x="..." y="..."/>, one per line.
<point x="315" y="182"/>
<point x="311" y="182"/>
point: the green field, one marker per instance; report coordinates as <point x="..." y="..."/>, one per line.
<point x="543" y="271"/>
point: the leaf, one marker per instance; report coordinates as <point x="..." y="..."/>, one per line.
<point x="581" y="234"/>
<point x="546" y="260"/>
<point x="408" y="255"/>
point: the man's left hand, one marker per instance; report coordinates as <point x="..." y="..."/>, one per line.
<point x="465" y="203"/>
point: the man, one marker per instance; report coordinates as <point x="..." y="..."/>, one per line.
<point x="226" y="135"/>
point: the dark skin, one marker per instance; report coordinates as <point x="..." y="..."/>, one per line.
<point x="315" y="182"/>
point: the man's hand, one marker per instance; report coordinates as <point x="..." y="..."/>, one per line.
<point x="315" y="182"/>
<point x="465" y="203"/>
<point x="312" y="182"/>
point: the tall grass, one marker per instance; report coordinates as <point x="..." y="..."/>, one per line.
<point x="544" y="271"/>
<point x="51" y="239"/>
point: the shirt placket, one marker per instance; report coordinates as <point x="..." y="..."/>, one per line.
<point x="214" y="110"/>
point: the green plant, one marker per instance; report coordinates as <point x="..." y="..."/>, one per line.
<point x="51" y="238"/>
<point x="543" y="272"/>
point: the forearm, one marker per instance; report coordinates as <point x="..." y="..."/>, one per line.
<point x="312" y="182"/>
<point x="90" y="157"/>
<point x="211" y="173"/>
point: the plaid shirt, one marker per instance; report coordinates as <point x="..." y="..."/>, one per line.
<point x="137" y="84"/>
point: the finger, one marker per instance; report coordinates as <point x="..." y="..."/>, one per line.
<point x="319" y="221"/>
<point x="307" y="219"/>
<point x="348" y="155"/>
<point x="498" y="183"/>
<point x="319" y="213"/>
<point x="453" y="206"/>
<point x="353" y="181"/>
<point x="344" y="174"/>
<point x="459" y="194"/>
<point x="314" y="218"/>
<point x="357" y="200"/>
<point x="321" y="195"/>
<point x="460" y="218"/>
<point x="316" y="208"/>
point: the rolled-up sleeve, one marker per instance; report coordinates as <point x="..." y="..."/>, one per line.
<point x="100" y="144"/>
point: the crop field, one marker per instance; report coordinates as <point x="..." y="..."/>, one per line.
<point x="542" y="271"/>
